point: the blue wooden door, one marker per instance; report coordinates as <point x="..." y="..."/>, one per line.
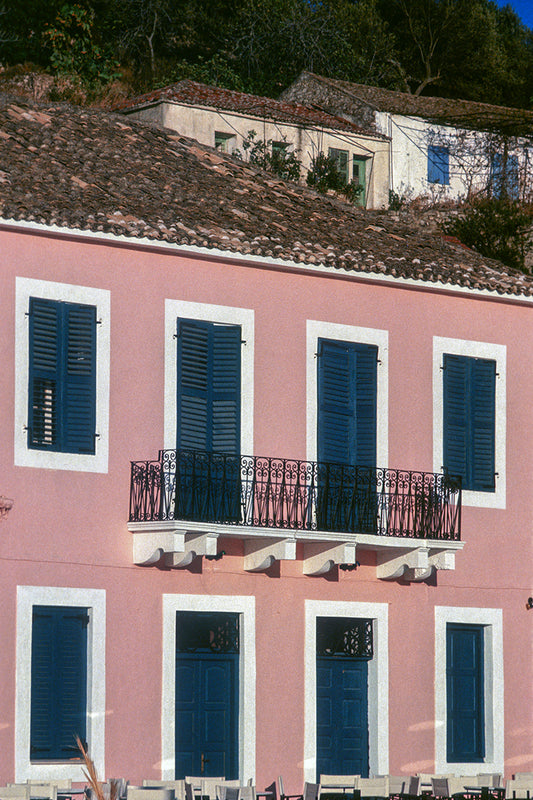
<point x="342" y="716"/>
<point x="207" y="714"/>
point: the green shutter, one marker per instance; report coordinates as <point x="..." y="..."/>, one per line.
<point x="58" y="682"/>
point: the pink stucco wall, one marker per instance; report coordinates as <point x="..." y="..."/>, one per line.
<point x="70" y="529"/>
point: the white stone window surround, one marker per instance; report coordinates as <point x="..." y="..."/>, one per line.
<point x="225" y="315"/>
<point x="101" y="299"/>
<point x="95" y="601"/>
<point x="245" y="607"/>
<point x="348" y="333"/>
<point x="473" y="349"/>
<point x="378" y="680"/>
<point x="492" y="621"/>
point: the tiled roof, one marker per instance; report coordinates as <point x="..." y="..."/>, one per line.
<point x="199" y="94"/>
<point x="89" y="170"/>
<point x="460" y="113"/>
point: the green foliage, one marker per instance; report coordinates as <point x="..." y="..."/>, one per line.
<point x="272" y="157"/>
<point x="396" y="201"/>
<point x="496" y="228"/>
<point x="324" y="175"/>
<point x="71" y="47"/>
<point x="215" y="71"/>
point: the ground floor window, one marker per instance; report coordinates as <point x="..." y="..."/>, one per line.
<point x="60" y="681"/>
<point x="468" y="689"/>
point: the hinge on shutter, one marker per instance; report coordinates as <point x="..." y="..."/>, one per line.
<point x="84" y="619"/>
<point x="99" y="321"/>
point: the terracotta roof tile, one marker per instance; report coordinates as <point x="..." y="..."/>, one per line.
<point x="199" y="94"/>
<point x="88" y="170"/>
<point x="460" y="113"/>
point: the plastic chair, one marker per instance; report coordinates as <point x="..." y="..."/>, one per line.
<point x="147" y="793"/>
<point x="373" y="787"/>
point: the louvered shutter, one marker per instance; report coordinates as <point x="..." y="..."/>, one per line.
<point x="62" y="376"/>
<point x="79" y="405"/>
<point x="58" y="682"/>
<point x="465" y="693"/>
<point x="44" y="374"/>
<point x="209" y="387"/>
<point x="469" y="420"/>
<point x="347" y="403"/>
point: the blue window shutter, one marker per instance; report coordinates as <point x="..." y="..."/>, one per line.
<point x="469" y="420"/>
<point x="347" y="403"/>
<point x="465" y="693"/>
<point x="62" y="376"/>
<point x="438" y="165"/>
<point x="79" y="406"/>
<point x="209" y="387"/>
<point x="58" y="682"/>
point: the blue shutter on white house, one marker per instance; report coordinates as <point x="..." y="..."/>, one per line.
<point x="469" y="409"/>
<point x="347" y="403"/>
<point x="438" y="165"/>
<point x="58" y="682"/>
<point x="62" y="376"/>
<point x="465" y="714"/>
<point x="209" y="387"/>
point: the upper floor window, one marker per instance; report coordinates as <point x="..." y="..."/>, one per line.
<point x="469" y="420"/>
<point x="62" y="344"/>
<point x="438" y="165"/>
<point x="62" y="376"/>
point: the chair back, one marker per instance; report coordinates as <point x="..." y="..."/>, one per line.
<point x="413" y="785"/>
<point x="189" y="790"/>
<point x="43" y="790"/>
<point x="374" y="787"/>
<point x="208" y="787"/>
<point x="519" y="788"/>
<point x="311" y="791"/>
<point x="246" y="793"/>
<point x="397" y="784"/>
<point x="149" y="793"/>
<point x="20" y="791"/>
<point x="439" y="787"/>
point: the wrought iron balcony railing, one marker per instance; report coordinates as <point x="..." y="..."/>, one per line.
<point x="295" y="495"/>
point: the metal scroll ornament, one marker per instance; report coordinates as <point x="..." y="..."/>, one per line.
<point x="207" y="632"/>
<point x="344" y="636"/>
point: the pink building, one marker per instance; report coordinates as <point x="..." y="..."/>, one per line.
<point x="237" y="417"/>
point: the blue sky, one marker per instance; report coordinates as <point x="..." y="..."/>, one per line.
<point x="524" y="9"/>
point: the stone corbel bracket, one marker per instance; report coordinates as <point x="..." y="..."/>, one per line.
<point x="414" y="565"/>
<point x="260" y="553"/>
<point x="178" y="548"/>
<point x="320" y="557"/>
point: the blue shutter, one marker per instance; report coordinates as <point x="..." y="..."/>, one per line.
<point x="79" y="407"/>
<point x="58" y="682"/>
<point x="465" y="693"/>
<point x="347" y="403"/>
<point x="438" y="165"/>
<point x="505" y="180"/>
<point x="62" y="376"/>
<point x="209" y="387"/>
<point x="469" y="420"/>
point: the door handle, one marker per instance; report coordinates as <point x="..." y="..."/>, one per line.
<point x="203" y="762"/>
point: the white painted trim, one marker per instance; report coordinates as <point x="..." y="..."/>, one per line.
<point x="378" y="680"/>
<point x="268" y="262"/>
<point x="50" y="290"/>
<point x="95" y="601"/>
<point x="492" y="620"/>
<point x="348" y="333"/>
<point x="498" y="353"/>
<point x="219" y="314"/>
<point x="245" y="606"/>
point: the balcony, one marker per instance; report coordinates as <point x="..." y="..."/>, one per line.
<point x="183" y="502"/>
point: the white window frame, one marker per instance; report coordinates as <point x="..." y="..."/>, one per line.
<point x="205" y="312"/>
<point x="245" y="607"/>
<point x="95" y="601"/>
<point x="473" y="349"/>
<point x="348" y="333"/>
<point x="378" y="680"/>
<point x="50" y="290"/>
<point x="492" y="621"/>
